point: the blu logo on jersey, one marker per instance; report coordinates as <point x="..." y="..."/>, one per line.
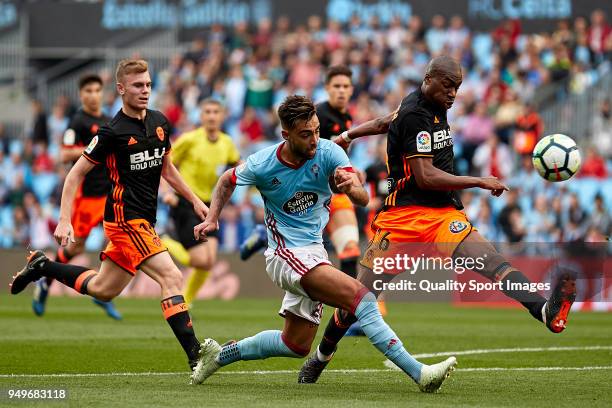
<point x="300" y="203"/>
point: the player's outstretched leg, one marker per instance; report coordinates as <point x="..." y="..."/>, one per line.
<point x="326" y="284"/>
<point x="294" y="341"/>
<point x="176" y="312"/>
<point x="258" y="239"/>
<point x="337" y="327"/>
<point x="552" y="312"/>
<point x="265" y="344"/>
<point x="41" y="291"/>
<point x="38" y="266"/>
<point x="559" y="304"/>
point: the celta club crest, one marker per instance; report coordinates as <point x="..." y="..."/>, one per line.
<point x="160" y="133"/>
<point x="315" y="170"/>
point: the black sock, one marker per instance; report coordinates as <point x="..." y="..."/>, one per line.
<point x="337" y="327"/>
<point x="61" y="256"/>
<point x="77" y="277"/>
<point x="177" y="315"/>
<point x="349" y="266"/>
<point x="533" y="301"/>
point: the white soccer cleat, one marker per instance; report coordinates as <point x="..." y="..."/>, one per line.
<point x="207" y="363"/>
<point x="432" y="376"/>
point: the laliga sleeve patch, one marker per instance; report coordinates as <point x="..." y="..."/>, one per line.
<point x="69" y="137"/>
<point x="423" y="142"/>
<point x="92" y="145"/>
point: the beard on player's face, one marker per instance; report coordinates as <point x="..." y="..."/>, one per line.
<point x="302" y="148"/>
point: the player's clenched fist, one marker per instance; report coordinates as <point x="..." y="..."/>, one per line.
<point x="64" y="233"/>
<point x="201" y="230"/>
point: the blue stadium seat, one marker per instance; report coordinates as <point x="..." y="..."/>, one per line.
<point x="95" y="240"/>
<point x="6" y="226"/>
<point x="586" y="188"/>
<point x="43" y="185"/>
<point x="606" y="191"/>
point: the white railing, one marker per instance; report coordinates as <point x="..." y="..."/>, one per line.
<point x="573" y="115"/>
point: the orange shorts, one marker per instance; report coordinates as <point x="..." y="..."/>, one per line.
<point x="340" y="202"/>
<point x="86" y="214"/>
<point x="434" y="231"/>
<point x="131" y="243"/>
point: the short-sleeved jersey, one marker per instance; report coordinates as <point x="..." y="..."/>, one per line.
<point x="133" y="151"/>
<point x="296" y="199"/>
<point x="333" y="122"/>
<point x="82" y="128"/>
<point x="419" y="129"/>
<point x="201" y="162"/>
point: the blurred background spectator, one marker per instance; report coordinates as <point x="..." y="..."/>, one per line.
<point x="495" y="121"/>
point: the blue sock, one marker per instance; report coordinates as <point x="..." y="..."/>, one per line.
<point x="383" y="338"/>
<point x="262" y="345"/>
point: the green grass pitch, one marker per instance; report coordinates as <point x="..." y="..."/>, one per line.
<point x="75" y="338"/>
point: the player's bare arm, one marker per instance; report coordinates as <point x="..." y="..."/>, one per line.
<point x="223" y="192"/>
<point x="171" y="174"/>
<point x="372" y="127"/>
<point x="63" y="232"/>
<point x="348" y="182"/>
<point x="429" y="177"/>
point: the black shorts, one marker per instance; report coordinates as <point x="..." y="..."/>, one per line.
<point x="184" y="220"/>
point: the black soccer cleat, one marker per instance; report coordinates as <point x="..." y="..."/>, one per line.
<point x="30" y="272"/>
<point x="558" y="306"/>
<point x="311" y="370"/>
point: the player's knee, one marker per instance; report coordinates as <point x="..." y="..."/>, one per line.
<point x="103" y="293"/>
<point x="203" y="262"/>
<point x="351" y="294"/>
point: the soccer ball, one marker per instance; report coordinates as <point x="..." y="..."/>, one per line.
<point x="556" y="157"/>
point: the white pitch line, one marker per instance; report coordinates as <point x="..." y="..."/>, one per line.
<point x="277" y="372"/>
<point x="510" y="350"/>
<point x="389" y="364"/>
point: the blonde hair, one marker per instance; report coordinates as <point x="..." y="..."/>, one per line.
<point x="130" y="66"/>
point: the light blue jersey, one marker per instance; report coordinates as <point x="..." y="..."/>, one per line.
<point x="296" y="198"/>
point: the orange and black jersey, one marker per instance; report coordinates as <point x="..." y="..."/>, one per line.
<point x="333" y="122"/>
<point x="82" y="128"/>
<point x="419" y="129"/>
<point x="133" y="151"/>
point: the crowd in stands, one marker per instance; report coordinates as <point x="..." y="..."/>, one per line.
<point x="494" y="121"/>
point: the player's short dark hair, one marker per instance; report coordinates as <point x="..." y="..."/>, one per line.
<point x="293" y="109"/>
<point x="338" y="70"/>
<point x="90" y="79"/>
<point x="441" y="65"/>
